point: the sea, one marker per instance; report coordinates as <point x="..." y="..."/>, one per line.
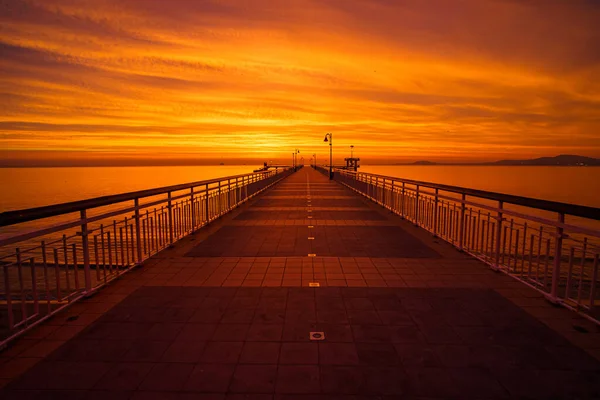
<point x="22" y="188"/>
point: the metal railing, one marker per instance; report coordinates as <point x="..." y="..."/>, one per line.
<point x="57" y="254"/>
<point x="553" y="247"/>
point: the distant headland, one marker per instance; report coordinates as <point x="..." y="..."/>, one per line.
<point x="563" y="160"/>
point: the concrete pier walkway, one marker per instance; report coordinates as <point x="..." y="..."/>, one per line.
<point x="228" y="312"/>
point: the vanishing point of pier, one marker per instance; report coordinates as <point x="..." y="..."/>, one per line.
<point x="306" y="290"/>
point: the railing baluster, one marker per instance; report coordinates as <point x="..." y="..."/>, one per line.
<point x="7" y="291"/>
<point x="102" y="245"/>
<point x="21" y="286"/>
<point x="503" y="256"/>
<point x="593" y="285"/>
<point x="569" y="273"/>
<point x="116" y="244"/>
<point x="539" y="249"/>
<point x="34" y="291"/>
<point x="138" y="232"/>
<point x="126" y="226"/>
<point x="492" y="241"/>
<point x="558" y="242"/>
<point x="145" y="235"/>
<point x="546" y="264"/>
<point x="121" y="245"/>
<point x="207" y="205"/>
<point x="96" y="257"/>
<point x="130" y="248"/>
<point x="531" y="256"/>
<point x="75" y="266"/>
<point x="510" y="238"/>
<point x="57" y="275"/>
<point x="416" y="209"/>
<point x="524" y="244"/>
<point x="516" y="258"/>
<point x="110" y="263"/>
<point x="66" y="259"/>
<point x="46" y="277"/>
<point x="498" y="233"/>
<point x="154" y="230"/>
<point x="477" y="226"/>
<point x="581" y="275"/>
<point x="170" y="222"/>
<point x="402" y="200"/>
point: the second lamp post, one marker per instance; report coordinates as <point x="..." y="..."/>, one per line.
<point x="296" y="151"/>
<point x="329" y="138"/>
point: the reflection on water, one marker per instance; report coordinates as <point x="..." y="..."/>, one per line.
<point x="577" y="185"/>
<point x="34" y="187"/>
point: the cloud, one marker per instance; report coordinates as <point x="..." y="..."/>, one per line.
<point x="221" y="77"/>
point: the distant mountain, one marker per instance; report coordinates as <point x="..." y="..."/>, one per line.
<point x="561" y="160"/>
<point x="564" y="160"/>
<point x="424" y="163"/>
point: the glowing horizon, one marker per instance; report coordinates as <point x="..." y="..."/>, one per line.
<point x="479" y="80"/>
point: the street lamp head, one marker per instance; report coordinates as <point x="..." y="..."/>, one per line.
<point x="326" y="139"/>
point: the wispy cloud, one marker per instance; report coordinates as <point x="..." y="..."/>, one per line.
<point x="413" y="79"/>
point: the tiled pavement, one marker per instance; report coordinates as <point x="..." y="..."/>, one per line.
<point x="227" y="314"/>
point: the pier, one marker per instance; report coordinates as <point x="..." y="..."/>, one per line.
<point x="286" y="285"/>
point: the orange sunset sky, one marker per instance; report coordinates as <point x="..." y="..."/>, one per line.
<point x="126" y="81"/>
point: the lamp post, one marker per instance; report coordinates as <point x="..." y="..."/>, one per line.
<point x="315" y="157"/>
<point x="329" y="138"/>
<point x="351" y="151"/>
<point x="296" y="151"/>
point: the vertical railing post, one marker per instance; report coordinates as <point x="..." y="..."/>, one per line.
<point x="558" y="257"/>
<point x="392" y="197"/>
<point x="461" y="233"/>
<point x="402" y="200"/>
<point x="193" y="208"/>
<point x="228" y="194"/>
<point x="435" y="212"/>
<point x="219" y="205"/>
<point x="86" y="252"/>
<point x="417" y="206"/>
<point x="207" y="206"/>
<point x="170" y="207"/>
<point x="138" y="233"/>
<point x="498" y="234"/>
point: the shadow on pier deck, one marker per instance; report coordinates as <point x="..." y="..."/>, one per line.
<point x="227" y="313"/>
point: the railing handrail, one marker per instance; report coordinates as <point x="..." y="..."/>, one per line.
<point x="547" y="205"/>
<point x="30" y="214"/>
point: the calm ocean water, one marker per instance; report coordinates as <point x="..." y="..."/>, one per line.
<point x="577" y="185"/>
<point x="33" y="187"/>
<point x="22" y="188"/>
